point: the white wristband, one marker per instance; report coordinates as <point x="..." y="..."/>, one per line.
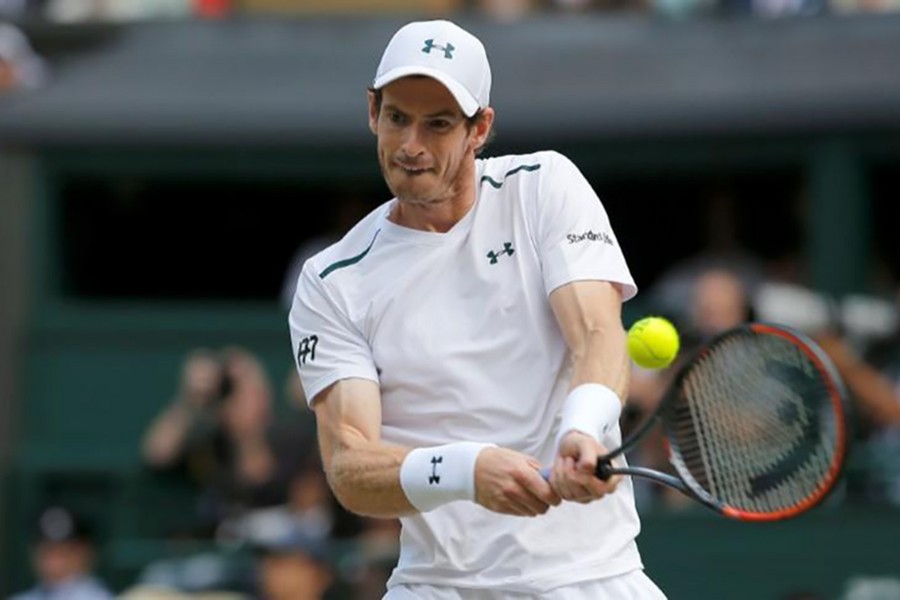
<point x="590" y="408"/>
<point x="434" y="476"/>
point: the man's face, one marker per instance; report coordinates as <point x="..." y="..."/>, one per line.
<point x="425" y="149"/>
<point x="293" y="576"/>
<point x="55" y="562"/>
<point x="719" y="303"/>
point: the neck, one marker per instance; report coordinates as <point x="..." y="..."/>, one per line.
<point x="442" y="214"/>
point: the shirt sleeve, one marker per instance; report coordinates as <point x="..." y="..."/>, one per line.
<point x="574" y="236"/>
<point x="327" y="347"/>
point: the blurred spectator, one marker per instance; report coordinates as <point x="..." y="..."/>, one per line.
<point x="378" y="549"/>
<point x="682" y="8"/>
<point x="674" y="294"/>
<point x="81" y="11"/>
<point x="603" y="5"/>
<point x="506" y="10"/>
<point x="310" y="509"/>
<point x="511" y="10"/>
<point x="719" y="302"/>
<point x="63" y="559"/>
<point x="157" y="592"/>
<point x="773" y="8"/>
<point x="210" y="574"/>
<point x="220" y="432"/>
<point x="865" y="6"/>
<point x="291" y="565"/>
<point x="21" y="68"/>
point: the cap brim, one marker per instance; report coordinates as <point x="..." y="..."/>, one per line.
<point x="466" y="101"/>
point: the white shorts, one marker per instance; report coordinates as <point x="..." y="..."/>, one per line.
<point x="634" y="585"/>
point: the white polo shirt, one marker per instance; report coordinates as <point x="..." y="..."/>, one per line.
<point x="457" y="331"/>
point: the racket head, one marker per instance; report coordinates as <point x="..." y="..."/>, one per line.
<point x="757" y="423"/>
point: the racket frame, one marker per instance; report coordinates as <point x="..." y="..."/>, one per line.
<point x="685" y="482"/>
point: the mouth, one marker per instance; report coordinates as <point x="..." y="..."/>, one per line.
<point x="412" y="171"/>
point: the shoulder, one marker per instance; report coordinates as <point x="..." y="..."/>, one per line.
<point x="351" y="248"/>
<point x="533" y="168"/>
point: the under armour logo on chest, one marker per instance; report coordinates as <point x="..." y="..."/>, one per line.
<point x="507" y="250"/>
<point x="448" y="49"/>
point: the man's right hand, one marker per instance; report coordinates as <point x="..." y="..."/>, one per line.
<point x="510" y="482"/>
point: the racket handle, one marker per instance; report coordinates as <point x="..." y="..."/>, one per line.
<point x="602" y="472"/>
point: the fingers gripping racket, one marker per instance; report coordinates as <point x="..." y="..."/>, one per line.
<point x="756" y="425"/>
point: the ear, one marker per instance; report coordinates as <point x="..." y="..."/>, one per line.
<point x="482" y="128"/>
<point x="373" y="112"/>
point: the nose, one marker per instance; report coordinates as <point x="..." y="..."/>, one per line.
<point x="412" y="146"/>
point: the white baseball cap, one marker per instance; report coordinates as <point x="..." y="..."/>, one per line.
<point x="443" y="51"/>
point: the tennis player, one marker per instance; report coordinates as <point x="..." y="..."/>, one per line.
<point x="466" y="334"/>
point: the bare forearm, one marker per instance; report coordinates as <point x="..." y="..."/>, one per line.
<point x="366" y="480"/>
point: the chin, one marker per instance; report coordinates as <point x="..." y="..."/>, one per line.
<point x="414" y="194"/>
<point x="412" y="198"/>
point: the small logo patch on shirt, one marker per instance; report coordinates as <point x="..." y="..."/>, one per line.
<point x="591" y="236"/>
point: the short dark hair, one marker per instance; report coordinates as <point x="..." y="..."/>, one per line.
<point x="470" y="121"/>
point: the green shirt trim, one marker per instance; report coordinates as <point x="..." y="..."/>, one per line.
<point x="348" y="261"/>
<point x="499" y="184"/>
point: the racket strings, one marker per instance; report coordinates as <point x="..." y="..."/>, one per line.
<point x="753" y="424"/>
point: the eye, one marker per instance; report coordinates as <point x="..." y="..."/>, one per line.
<point x="395" y="117"/>
<point x="440" y="124"/>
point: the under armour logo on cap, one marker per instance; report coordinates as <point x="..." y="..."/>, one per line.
<point x="448" y="49"/>
<point x="424" y="48"/>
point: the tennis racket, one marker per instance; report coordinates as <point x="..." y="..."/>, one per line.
<point x="756" y="425"/>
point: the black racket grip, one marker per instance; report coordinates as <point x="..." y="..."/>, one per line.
<point x="603" y="470"/>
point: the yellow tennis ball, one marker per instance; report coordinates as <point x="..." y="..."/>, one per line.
<point x="653" y="342"/>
